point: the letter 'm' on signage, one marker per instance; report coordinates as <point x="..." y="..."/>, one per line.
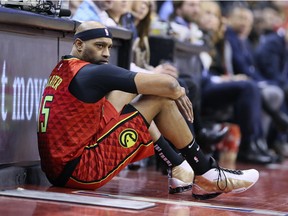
<point x="18" y="99"/>
<point x="4" y="81"/>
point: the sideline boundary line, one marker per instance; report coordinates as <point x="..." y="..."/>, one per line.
<point x="187" y="203"/>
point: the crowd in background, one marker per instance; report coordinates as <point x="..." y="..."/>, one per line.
<point x="244" y="71"/>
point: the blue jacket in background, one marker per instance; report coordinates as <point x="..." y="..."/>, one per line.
<point x="271" y="57"/>
<point x="242" y="56"/>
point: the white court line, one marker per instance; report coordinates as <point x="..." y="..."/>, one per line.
<point x="277" y="166"/>
<point x="78" y="199"/>
<point x="189" y="203"/>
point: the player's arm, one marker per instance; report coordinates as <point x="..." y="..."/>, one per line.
<point x="165" y="86"/>
<point x="158" y="84"/>
<point x="107" y="78"/>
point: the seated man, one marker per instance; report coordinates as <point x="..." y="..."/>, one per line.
<point x="84" y="142"/>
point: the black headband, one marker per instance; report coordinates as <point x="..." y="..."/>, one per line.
<point x="93" y="33"/>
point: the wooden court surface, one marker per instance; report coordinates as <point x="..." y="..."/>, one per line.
<point x="268" y="197"/>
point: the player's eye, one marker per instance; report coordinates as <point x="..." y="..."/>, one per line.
<point x="100" y="46"/>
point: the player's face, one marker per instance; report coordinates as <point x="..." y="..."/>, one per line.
<point x="97" y="51"/>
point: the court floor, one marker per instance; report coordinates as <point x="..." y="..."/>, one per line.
<point x="268" y="197"/>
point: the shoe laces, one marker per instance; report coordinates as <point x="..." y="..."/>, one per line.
<point x="222" y="173"/>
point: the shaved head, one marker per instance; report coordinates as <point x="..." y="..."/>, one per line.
<point x="88" y="25"/>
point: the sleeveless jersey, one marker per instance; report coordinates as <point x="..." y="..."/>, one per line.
<point x="65" y="125"/>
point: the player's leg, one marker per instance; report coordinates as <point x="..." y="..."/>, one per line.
<point x="167" y="117"/>
<point x="210" y="180"/>
<point x="180" y="173"/>
<point x="119" y="98"/>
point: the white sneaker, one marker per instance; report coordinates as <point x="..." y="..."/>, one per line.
<point x="219" y="180"/>
<point x="180" y="178"/>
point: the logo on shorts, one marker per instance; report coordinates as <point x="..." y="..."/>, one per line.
<point x="128" y="138"/>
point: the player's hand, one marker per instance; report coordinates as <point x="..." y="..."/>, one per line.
<point x="185" y="107"/>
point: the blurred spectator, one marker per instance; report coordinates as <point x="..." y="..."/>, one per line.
<point x="73" y="6"/>
<point x="281" y="6"/>
<point x="141" y="12"/>
<point x="240" y="24"/>
<point x="221" y="89"/>
<point x="165" y="10"/>
<point x="92" y="10"/>
<point x="183" y="21"/>
<point x="266" y="20"/>
<point x="273" y="46"/>
<point x="117" y="9"/>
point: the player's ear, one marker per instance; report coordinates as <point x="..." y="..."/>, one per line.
<point x="78" y="44"/>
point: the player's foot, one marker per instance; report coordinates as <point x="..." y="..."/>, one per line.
<point x="180" y="178"/>
<point x="219" y="180"/>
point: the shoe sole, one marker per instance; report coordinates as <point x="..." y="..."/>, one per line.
<point x="178" y="186"/>
<point x="205" y="196"/>
<point x="213" y="195"/>
<point x="179" y="189"/>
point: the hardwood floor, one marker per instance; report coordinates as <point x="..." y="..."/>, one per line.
<point x="268" y="197"/>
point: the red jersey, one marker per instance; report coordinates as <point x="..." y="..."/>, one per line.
<point x="66" y="125"/>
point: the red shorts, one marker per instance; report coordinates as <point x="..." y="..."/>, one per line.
<point x="123" y="139"/>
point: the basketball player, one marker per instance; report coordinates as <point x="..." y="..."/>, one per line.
<point x="84" y="141"/>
